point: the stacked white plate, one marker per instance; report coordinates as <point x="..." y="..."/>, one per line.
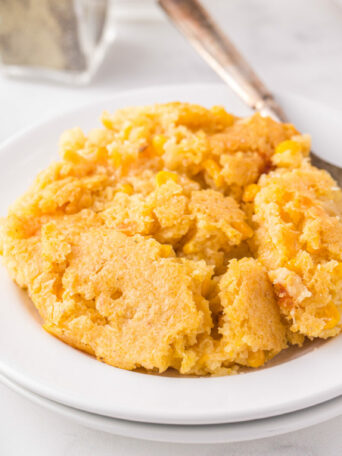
<point x="301" y="388"/>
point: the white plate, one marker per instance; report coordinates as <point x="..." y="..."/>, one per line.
<point x="46" y="366"/>
<point x="214" y="433"/>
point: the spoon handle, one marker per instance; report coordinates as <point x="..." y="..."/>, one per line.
<point x="191" y="18"/>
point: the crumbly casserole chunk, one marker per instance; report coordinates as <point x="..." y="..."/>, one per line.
<point x="181" y="237"/>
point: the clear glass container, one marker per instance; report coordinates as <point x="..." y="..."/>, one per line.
<point x="63" y="40"/>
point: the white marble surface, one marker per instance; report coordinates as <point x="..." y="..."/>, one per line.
<point x="295" y="46"/>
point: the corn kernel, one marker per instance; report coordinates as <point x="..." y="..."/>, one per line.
<point x="126" y="131"/>
<point x="246" y="230"/>
<point x="224" y="117"/>
<point x="338" y="271"/>
<point x="163" y="176"/>
<point x="290" y="145"/>
<point x="288" y="154"/>
<point x="126" y="188"/>
<point x="158" y="142"/>
<point x="106" y="120"/>
<point x="214" y="171"/>
<point x="331" y="314"/>
<point x="115" y="157"/>
<point x="250" y="192"/>
<point x="188" y="248"/>
<point x="256" y="359"/>
<point x="71" y="155"/>
<point x="101" y="153"/>
<point x="166" y="250"/>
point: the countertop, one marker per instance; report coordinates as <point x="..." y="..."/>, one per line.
<point x="295" y="46"/>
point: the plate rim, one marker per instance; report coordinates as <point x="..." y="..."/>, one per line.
<point x="245" y="431"/>
<point x="63" y="397"/>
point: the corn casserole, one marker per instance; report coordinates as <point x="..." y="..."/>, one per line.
<point x="181" y="237"/>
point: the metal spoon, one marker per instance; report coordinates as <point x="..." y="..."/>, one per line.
<point x="191" y="18"/>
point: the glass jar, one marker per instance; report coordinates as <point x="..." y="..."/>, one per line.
<point x="63" y="40"/>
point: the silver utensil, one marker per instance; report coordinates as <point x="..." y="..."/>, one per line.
<point x="191" y="18"/>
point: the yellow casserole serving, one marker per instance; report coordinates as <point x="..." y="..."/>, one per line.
<point x="181" y="237"/>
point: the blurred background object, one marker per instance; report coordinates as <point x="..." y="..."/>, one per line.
<point x="64" y="40"/>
